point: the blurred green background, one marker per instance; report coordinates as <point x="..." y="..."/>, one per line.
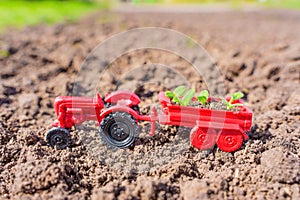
<point x="19" y="13"/>
<point x="269" y="3"/>
<point x="264" y="3"/>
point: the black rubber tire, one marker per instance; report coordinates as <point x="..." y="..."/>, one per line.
<point x="119" y="130"/>
<point x="58" y="137"/>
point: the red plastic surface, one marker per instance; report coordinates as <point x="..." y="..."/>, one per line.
<point x="76" y="110"/>
<point x="114" y="97"/>
<point x="229" y="140"/>
<point x="218" y="119"/>
<point x="119" y="108"/>
<point x="203" y="138"/>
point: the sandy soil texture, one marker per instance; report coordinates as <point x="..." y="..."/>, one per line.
<point x="257" y="52"/>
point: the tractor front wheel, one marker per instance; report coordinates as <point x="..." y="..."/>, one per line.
<point x="118" y="129"/>
<point x="58" y="137"/>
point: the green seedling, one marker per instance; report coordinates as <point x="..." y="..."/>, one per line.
<point x="187" y="97"/>
<point x="235" y="96"/>
<point x="203" y="97"/>
<point x="177" y="94"/>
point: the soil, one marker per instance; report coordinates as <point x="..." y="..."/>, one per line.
<point x="257" y="52"/>
<point x="216" y="105"/>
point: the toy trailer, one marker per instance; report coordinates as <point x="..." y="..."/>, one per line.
<point x="118" y="116"/>
<point x="226" y="128"/>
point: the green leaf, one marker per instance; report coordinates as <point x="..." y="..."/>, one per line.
<point x="237" y="95"/>
<point x="169" y="94"/>
<point x="237" y="104"/>
<point x="202" y="99"/>
<point x="203" y="96"/>
<point x="176" y="99"/>
<point x="179" y="91"/>
<point x="224" y="100"/>
<point x="188" y="97"/>
<point x="204" y="93"/>
<point x="228" y="105"/>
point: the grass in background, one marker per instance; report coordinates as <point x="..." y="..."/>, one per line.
<point x="22" y="13"/>
<point x="19" y="13"/>
<point x="294" y="4"/>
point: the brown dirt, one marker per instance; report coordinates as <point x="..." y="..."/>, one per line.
<point x="257" y="52"/>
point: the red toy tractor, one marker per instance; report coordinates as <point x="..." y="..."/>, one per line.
<point x="118" y="116"/>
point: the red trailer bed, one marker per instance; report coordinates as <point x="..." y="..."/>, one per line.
<point x="226" y="128"/>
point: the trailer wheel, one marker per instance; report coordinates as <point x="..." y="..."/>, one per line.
<point x="118" y="129"/>
<point x="230" y="141"/>
<point x="58" y="137"/>
<point x="203" y="138"/>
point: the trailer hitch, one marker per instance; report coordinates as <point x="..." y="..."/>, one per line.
<point x="152" y="118"/>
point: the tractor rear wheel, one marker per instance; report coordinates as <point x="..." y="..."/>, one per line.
<point x="118" y="129"/>
<point x="203" y="138"/>
<point x="58" y="137"/>
<point x="230" y="141"/>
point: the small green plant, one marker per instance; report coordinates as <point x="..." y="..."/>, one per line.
<point x="177" y="95"/>
<point x="4" y="54"/>
<point x="235" y="96"/>
<point x="203" y="97"/>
